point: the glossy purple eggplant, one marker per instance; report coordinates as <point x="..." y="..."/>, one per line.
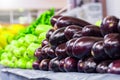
<point x="90" y="65"/>
<point x="44" y="64"/>
<point x="114" y="67"/>
<point x="51" y="52"/>
<point x="61" y="65"/>
<point x="60" y="51"/>
<point x="91" y="30"/>
<point x="65" y="21"/>
<point x="57" y="38"/>
<point x="49" y="33"/>
<point x="82" y="46"/>
<point x="70" y="64"/>
<point x="69" y="45"/>
<point x="80" y="66"/>
<point x="103" y="66"/>
<point x="71" y="30"/>
<point x="35" y="65"/>
<point x="98" y="51"/>
<point x="112" y="45"/>
<point x="109" y="25"/>
<point x="44" y="42"/>
<point x="54" y="19"/>
<point x="54" y="65"/>
<point x="77" y="34"/>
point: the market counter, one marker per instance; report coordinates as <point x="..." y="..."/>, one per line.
<point x="22" y="74"/>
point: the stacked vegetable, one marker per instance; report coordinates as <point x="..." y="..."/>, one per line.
<point x="20" y="52"/>
<point x="75" y="45"/>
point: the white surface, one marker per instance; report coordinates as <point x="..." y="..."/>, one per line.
<point x="113" y="7"/>
<point x="31" y="4"/>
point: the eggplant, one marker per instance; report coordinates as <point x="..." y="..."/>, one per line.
<point x="112" y="45"/>
<point x="90" y="65"/>
<point x="44" y="64"/>
<point x="54" y="65"/>
<point x="69" y="45"/>
<point x="109" y="25"/>
<point x="60" y="51"/>
<point x="45" y="42"/>
<point x="70" y="64"/>
<point x="51" y="52"/>
<point x="61" y="65"/>
<point x="102" y="67"/>
<point x="80" y="66"/>
<point x="54" y="19"/>
<point x="71" y="30"/>
<point x="114" y="67"/>
<point x="77" y="34"/>
<point x="57" y="38"/>
<point x="49" y="33"/>
<point x="65" y="21"/>
<point x="98" y="51"/>
<point x="91" y="30"/>
<point x="82" y="46"/>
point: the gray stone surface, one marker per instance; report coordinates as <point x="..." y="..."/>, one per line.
<point x="21" y="74"/>
<point x="1" y="67"/>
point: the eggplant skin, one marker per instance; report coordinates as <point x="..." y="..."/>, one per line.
<point x="67" y="20"/>
<point x="54" y="19"/>
<point x="57" y="38"/>
<point x="112" y="45"/>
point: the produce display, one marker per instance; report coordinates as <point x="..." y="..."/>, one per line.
<point x="7" y="33"/>
<point x="74" y="45"/>
<point x="20" y="52"/>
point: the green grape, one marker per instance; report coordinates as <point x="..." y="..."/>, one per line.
<point x="5" y="62"/>
<point x="21" y="41"/>
<point x="21" y="63"/>
<point x="31" y="49"/>
<point x="17" y="53"/>
<point x="29" y="38"/>
<point x="14" y="43"/>
<point x="42" y="28"/>
<point x="4" y="56"/>
<point x="29" y="64"/>
<point x="41" y="37"/>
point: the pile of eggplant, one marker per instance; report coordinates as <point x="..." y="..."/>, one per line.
<point x="74" y="45"/>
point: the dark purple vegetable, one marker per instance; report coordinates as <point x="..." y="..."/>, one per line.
<point x="49" y="33"/>
<point x="61" y="65"/>
<point x="91" y="30"/>
<point x="109" y="25"/>
<point x="80" y="66"/>
<point x="44" y="64"/>
<point x="90" y="65"/>
<point x="69" y="45"/>
<point x="114" y="67"/>
<point x="57" y="38"/>
<point x="112" y="45"/>
<point x="54" y="65"/>
<point x="103" y="66"/>
<point x="65" y="21"/>
<point x="98" y="51"/>
<point x="70" y="64"/>
<point x="71" y="30"/>
<point x="82" y="46"/>
<point x="54" y="19"/>
<point x="35" y="65"/>
<point x="60" y="51"/>
<point x="45" y="42"/>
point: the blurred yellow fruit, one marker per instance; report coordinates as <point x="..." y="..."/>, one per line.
<point x="7" y="32"/>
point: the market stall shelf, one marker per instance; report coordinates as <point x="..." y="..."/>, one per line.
<point x="22" y="74"/>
